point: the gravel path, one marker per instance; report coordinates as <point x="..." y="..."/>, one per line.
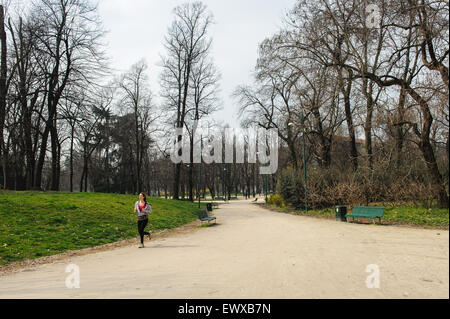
<point x="255" y="253"/>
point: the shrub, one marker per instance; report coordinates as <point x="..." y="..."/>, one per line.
<point x="333" y="186"/>
<point x="276" y="200"/>
<point x="290" y="187"/>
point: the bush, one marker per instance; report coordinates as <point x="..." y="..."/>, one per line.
<point x="328" y="187"/>
<point x="276" y="200"/>
<point x="290" y="187"/>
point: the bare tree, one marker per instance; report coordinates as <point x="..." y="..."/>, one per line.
<point x="204" y="102"/>
<point x="137" y="98"/>
<point x="69" y="37"/>
<point x="186" y="43"/>
<point x="3" y="88"/>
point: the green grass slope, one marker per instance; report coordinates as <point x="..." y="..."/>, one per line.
<point x="35" y="224"/>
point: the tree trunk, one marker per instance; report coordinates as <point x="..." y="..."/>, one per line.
<point x="325" y="144"/>
<point x="55" y="158"/>
<point x="398" y="129"/>
<point x="108" y="186"/>
<point x="346" y="92"/>
<point x="3" y="90"/>
<point x="42" y="154"/>
<point x="82" y="180"/>
<point x="71" y="158"/>
<point x="367" y="90"/>
<point x="86" y="174"/>
<point x="436" y="177"/>
<point x="176" y="182"/>
<point x="427" y="149"/>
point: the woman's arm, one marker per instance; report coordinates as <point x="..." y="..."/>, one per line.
<point x="148" y="208"/>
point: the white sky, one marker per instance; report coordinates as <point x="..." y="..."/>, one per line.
<point x="137" y="29"/>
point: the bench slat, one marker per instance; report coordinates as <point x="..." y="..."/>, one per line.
<point x="371" y="212"/>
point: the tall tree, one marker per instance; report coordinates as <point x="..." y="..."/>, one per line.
<point x="70" y="36"/>
<point x="3" y="88"/>
<point x="186" y="43"/>
<point x="137" y="98"/>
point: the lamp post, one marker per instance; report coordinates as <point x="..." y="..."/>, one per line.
<point x="304" y="165"/>
<point x="184" y="188"/>
<point x="305" y="174"/>
<point x="225" y="183"/>
<point x="200" y="171"/>
<point x="223" y="180"/>
<point x="265" y="181"/>
<point x="265" y="186"/>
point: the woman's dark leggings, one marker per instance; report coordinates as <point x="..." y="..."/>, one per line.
<point x="141" y="228"/>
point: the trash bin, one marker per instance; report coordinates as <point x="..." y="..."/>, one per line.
<point x="341" y="211"/>
<point x="209" y="207"/>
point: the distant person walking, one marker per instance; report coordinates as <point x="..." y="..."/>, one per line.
<point x="143" y="209"/>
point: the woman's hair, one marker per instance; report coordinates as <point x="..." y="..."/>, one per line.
<point x="145" y="197"/>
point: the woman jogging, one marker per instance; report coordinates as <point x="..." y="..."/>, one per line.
<point x="143" y="208"/>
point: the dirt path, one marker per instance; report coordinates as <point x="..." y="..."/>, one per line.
<point x="255" y="253"/>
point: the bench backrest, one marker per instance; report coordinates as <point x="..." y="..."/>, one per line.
<point x="202" y="213"/>
<point x="369" y="211"/>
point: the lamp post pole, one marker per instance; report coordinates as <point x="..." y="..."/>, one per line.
<point x="223" y="181"/>
<point x="265" y="186"/>
<point x="200" y="171"/>
<point x="225" y="189"/>
<point x="304" y="164"/>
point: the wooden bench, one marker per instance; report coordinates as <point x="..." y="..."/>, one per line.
<point x="203" y="216"/>
<point x="233" y="198"/>
<point x="366" y="212"/>
<point x="219" y="198"/>
<point x="215" y="205"/>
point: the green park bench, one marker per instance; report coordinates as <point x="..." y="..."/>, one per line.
<point x="233" y="198"/>
<point x="219" y="198"/>
<point x="367" y="213"/>
<point x="215" y="205"/>
<point x="203" y="216"/>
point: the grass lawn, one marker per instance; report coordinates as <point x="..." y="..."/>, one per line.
<point x="37" y="224"/>
<point x="403" y="215"/>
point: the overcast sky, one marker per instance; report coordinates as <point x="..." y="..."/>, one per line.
<point x="137" y="29"/>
